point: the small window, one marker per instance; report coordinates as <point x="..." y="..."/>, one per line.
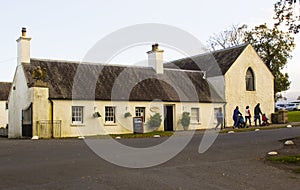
<point x="6" y="105"/>
<point x="195" y="116"/>
<point x="77" y="114"/>
<point x="110" y="113"/>
<point x="250" y="83"/>
<point x="140" y="112"/>
<point x="216" y="110"/>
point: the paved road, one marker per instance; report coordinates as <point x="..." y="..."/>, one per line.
<point x="233" y="162"/>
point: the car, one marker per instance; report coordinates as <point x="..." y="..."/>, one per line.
<point x="280" y="107"/>
<point x="292" y="106"/>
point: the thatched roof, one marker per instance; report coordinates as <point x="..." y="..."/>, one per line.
<point x="215" y="63"/>
<point x="74" y="80"/>
<point x="4" y="90"/>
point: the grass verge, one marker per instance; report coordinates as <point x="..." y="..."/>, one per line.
<point x="252" y="129"/>
<point x="286" y="159"/>
<point x="144" y="135"/>
<point x="294" y="116"/>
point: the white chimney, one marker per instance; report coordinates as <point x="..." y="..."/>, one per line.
<point x="155" y="59"/>
<point x="23" y="48"/>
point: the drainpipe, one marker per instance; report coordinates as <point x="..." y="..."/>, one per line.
<point x="51" y="102"/>
<point x="224" y="106"/>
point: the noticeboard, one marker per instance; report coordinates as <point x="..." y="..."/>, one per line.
<point x="138" y="125"/>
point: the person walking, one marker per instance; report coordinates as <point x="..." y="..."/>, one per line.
<point x="235" y="116"/>
<point x="247" y="116"/>
<point x="220" y="119"/>
<point x="257" y="113"/>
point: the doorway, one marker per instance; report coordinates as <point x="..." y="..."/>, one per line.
<point x="27" y="122"/>
<point x="168" y="122"/>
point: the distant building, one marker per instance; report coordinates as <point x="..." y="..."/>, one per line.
<point x="4" y="92"/>
<point x="52" y="98"/>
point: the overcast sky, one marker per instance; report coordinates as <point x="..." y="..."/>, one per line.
<point x="68" y="29"/>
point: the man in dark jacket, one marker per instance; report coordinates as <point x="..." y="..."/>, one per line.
<point x="235" y="116"/>
<point x="257" y="113"/>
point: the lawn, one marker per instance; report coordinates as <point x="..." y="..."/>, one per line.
<point x="294" y="116"/>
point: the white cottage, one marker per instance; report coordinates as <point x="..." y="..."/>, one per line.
<point x="4" y="92"/>
<point x="52" y="98"/>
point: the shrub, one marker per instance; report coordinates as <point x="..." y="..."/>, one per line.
<point x="154" y="121"/>
<point x="185" y="120"/>
<point x="127" y="114"/>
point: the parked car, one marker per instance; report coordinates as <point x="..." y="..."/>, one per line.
<point x="280" y="107"/>
<point x="292" y="106"/>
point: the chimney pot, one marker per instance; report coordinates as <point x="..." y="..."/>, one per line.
<point x="23" y="31"/>
<point x="155" y="47"/>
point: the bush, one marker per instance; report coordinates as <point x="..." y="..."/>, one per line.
<point x="127" y="114"/>
<point x="154" y="121"/>
<point x="185" y="120"/>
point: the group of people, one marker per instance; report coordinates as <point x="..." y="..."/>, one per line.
<point x="237" y="115"/>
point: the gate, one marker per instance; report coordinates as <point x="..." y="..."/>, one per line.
<point x="27" y="122"/>
<point x="49" y="128"/>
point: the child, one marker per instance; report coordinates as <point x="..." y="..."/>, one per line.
<point x="247" y="116"/>
<point x="265" y="120"/>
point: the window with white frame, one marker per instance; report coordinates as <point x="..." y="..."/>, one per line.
<point x="110" y="114"/>
<point x="216" y="110"/>
<point x="195" y="115"/>
<point x="77" y="114"/>
<point x="140" y="112"/>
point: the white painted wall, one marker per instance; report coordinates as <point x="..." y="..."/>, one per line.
<point x="41" y="107"/>
<point x="235" y="86"/>
<point x="155" y="60"/>
<point x="3" y="114"/>
<point x="19" y="99"/>
<point x="23" y="49"/>
<point x="95" y="126"/>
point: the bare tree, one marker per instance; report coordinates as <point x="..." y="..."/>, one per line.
<point x="287" y="14"/>
<point x="232" y="36"/>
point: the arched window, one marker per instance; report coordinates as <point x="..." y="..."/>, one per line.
<point x="250" y="80"/>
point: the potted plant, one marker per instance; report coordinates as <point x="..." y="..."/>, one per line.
<point x="96" y="114"/>
<point x="127" y="114"/>
<point x="185" y="120"/>
<point x="154" y="121"/>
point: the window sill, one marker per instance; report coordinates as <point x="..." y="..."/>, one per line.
<point x="110" y="124"/>
<point x="77" y="124"/>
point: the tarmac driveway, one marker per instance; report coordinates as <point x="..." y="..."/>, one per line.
<point x="233" y="162"/>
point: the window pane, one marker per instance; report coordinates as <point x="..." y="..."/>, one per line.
<point x="250" y="80"/>
<point x="140" y="112"/>
<point x="195" y="115"/>
<point x="77" y="114"/>
<point x="110" y="114"/>
<point x="216" y="110"/>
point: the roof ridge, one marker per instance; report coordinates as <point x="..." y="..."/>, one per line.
<point x="229" y="48"/>
<point x="210" y="52"/>
<point x="89" y="63"/>
<point x="5" y="82"/>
